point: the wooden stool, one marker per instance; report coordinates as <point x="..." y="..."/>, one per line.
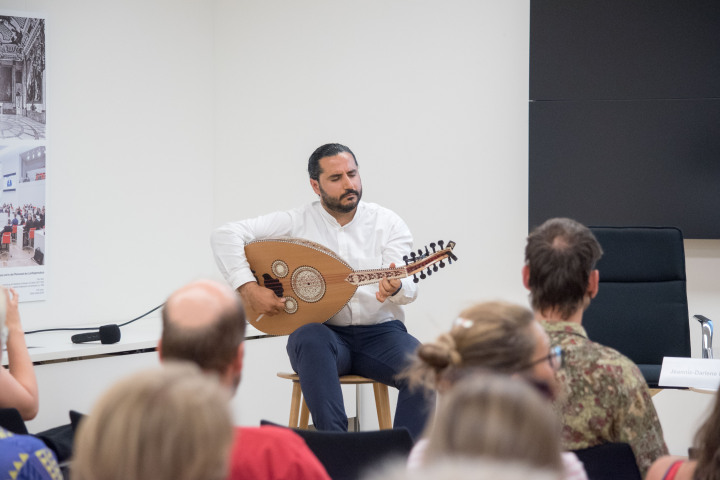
<point x="382" y="400"/>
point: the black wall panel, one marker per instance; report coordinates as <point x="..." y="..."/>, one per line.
<point x="624" y="49"/>
<point x="625" y="113"/>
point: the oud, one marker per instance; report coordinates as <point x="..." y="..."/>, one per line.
<point x="316" y="283"/>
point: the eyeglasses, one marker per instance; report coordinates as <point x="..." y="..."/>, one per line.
<point x="554" y="358"/>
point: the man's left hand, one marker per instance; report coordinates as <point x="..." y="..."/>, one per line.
<point x="387" y="287"/>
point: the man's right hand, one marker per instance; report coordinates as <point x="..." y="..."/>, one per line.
<point x="260" y="299"/>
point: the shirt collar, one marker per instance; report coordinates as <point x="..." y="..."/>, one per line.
<point x="565" y="327"/>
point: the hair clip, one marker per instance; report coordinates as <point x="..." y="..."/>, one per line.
<point x="463" y="322"/>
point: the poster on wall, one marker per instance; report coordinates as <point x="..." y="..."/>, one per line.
<point x="23" y="155"/>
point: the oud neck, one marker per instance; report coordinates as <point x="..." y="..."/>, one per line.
<point x="424" y="261"/>
<point x="368" y="277"/>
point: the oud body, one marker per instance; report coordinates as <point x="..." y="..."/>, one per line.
<point x="314" y="281"/>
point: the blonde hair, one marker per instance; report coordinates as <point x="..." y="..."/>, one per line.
<point x="494" y="336"/>
<point x="462" y="469"/>
<point x="169" y="423"/>
<point x="495" y="416"/>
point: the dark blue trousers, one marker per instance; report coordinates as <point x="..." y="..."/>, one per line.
<point x="320" y="353"/>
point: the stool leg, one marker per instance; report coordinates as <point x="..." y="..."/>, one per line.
<point x="304" y="415"/>
<point x="295" y="405"/>
<point x="382" y="403"/>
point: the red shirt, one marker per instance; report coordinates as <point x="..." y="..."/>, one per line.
<point x="273" y="453"/>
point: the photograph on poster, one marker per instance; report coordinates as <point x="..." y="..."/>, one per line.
<point x="23" y="161"/>
<point x="22" y="78"/>
<point x="22" y="204"/>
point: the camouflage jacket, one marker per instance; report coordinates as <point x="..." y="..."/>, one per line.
<point x="604" y="397"/>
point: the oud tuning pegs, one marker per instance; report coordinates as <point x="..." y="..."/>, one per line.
<point x="429" y="271"/>
<point x="413" y="258"/>
<point x="441" y="243"/>
<point x="406" y="260"/>
<point x="422" y="275"/>
<point x="432" y="245"/>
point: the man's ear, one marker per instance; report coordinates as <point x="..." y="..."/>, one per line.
<point x="593" y="283"/>
<point x="315" y="186"/>
<point x="526" y="276"/>
<point x="159" y="349"/>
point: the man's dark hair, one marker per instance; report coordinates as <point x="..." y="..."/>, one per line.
<point x="560" y="254"/>
<point x="212" y="347"/>
<point x="327" y="150"/>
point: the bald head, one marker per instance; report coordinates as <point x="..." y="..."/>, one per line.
<point x="204" y="323"/>
<point x="200" y="303"/>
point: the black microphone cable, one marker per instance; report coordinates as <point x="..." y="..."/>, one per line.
<point x="66" y="329"/>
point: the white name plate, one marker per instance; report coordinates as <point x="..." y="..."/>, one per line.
<point x="690" y="372"/>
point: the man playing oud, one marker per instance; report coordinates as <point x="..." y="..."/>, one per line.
<point x="367" y="336"/>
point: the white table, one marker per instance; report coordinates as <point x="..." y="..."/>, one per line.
<point x="72" y="376"/>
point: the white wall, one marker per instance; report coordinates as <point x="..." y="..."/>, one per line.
<point x="433" y="100"/>
<point x="32" y="193"/>
<point x="129" y="158"/>
<point x="434" y="103"/>
<point x="167" y="118"/>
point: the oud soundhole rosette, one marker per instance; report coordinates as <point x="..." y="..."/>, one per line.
<point x="280" y="269"/>
<point x="308" y="284"/>
<point x="291" y="305"/>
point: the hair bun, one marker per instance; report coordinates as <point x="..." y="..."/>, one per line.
<point x="440" y="354"/>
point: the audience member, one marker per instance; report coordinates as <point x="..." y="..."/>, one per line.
<point x="18" y="386"/>
<point x="26" y="457"/>
<point x="704" y="462"/>
<point x="29" y="223"/>
<point x="204" y="323"/>
<point x="493" y="336"/>
<point x="170" y="423"/>
<point x="21" y="456"/>
<point x="605" y="396"/>
<point x="463" y="469"/>
<point x="494" y="416"/>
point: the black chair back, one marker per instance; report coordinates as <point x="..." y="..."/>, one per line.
<point x="349" y="455"/>
<point x="641" y="308"/>
<point x="609" y="461"/>
<point x="10" y="419"/>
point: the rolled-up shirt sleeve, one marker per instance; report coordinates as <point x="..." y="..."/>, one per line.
<point x="228" y="243"/>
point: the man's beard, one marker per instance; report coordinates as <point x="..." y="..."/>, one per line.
<point x="336" y="205"/>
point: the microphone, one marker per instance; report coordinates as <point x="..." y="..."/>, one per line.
<point x="106" y="334"/>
